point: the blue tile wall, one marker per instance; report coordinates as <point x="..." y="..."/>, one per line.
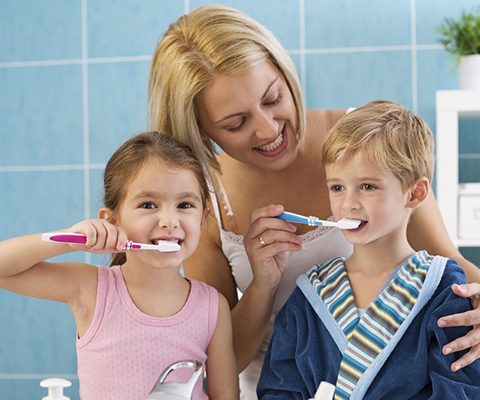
<point x="65" y="105"/>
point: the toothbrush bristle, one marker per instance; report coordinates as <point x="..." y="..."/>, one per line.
<point x="347" y="223"/>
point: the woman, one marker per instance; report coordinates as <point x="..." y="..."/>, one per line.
<point x="220" y="78"/>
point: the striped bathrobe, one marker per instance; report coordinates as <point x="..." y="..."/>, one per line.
<point x="391" y="351"/>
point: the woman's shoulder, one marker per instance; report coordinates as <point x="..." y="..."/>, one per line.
<point x="319" y="122"/>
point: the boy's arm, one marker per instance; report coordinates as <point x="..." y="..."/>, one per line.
<point x="222" y="376"/>
<point x="280" y="377"/>
<point x="465" y="383"/>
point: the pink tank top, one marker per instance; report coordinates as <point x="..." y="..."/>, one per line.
<point x="124" y="351"/>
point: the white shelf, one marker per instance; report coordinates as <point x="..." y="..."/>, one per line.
<point x="450" y="104"/>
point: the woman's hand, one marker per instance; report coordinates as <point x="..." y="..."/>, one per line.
<point x="267" y="243"/>
<point x="470" y="318"/>
<point x="102" y="236"/>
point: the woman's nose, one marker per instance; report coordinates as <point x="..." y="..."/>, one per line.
<point x="266" y="127"/>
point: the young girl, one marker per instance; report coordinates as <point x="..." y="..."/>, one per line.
<point x="368" y="323"/>
<point x="139" y="316"/>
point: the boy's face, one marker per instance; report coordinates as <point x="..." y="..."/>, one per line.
<point x="358" y="189"/>
<point x="162" y="203"/>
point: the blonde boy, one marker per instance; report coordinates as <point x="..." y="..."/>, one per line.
<point x="368" y="323"/>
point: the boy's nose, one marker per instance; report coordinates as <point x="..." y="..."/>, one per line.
<point x="351" y="202"/>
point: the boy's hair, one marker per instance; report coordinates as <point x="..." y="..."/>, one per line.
<point x="199" y="46"/>
<point x="394" y="138"/>
<point x="130" y="157"/>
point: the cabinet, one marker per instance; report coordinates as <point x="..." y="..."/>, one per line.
<point x="450" y="105"/>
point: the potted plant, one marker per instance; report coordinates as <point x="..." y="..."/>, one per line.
<point x="461" y="37"/>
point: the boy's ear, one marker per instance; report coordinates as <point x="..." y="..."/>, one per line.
<point x="418" y="192"/>
<point x="106" y="213"/>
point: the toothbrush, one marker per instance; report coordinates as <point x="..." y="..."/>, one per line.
<point x="78" y="238"/>
<point x="344" y="223"/>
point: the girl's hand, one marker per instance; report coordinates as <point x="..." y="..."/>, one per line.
<point x="267" y="243"/>
<point x="470" y="318"/>
<point x="102" y="236"/>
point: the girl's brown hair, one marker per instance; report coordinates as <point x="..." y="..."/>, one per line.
<point x="129" y="158"/>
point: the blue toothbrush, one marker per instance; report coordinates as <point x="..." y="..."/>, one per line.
<point x="344" y="223"/>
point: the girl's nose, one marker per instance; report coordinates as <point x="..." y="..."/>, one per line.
<point x="168" y="219"/>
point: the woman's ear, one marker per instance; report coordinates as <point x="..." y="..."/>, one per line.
<point x="418" y="192"/>
<point x="106" y="213"/>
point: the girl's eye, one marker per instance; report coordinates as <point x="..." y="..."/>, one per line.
<point x="185" y="205"/>
<point x="368" y="187"/>
<point x="237" y="127"/>
<point x="148" y="205"/>
<point x="274" y="101"/>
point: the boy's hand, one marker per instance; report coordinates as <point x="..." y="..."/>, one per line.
<point x="102" y="236"/>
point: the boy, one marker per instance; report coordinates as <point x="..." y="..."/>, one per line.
<point x="368" y="324"/>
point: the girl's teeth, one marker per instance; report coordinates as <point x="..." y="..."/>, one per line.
<point x="272" y="146"/>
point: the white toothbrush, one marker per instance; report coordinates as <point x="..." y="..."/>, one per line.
<point x="344" y="223"/>
<point x="78" y="238"/>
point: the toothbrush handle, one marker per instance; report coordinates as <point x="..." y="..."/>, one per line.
<point x="292" y="217"/>
<point x="78" y="238"/>
<point x="301" y="219"/>
<point x="61" y="237"/>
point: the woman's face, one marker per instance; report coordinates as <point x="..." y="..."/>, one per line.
<point x="251" y="116"/>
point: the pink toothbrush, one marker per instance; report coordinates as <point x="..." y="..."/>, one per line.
<point x="78" y="238"/>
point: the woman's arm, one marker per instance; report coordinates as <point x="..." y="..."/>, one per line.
<point x="222" y="376"/>
<point x="427" y="231"/>
<point x="251" y="314"/>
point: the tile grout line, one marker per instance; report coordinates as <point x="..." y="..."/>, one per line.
<point x="413" y="33"/>
<point x="141" y="58"/>
<point x="85" y="117"/>
<point x="303" y="61"/>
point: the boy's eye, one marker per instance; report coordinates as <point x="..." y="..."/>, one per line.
<point x="148" y="205"/>
<point x="336" y="188"/>
<point x="185" y="204"/>
<point x="368" y="187"/>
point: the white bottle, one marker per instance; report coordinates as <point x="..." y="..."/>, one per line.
<point x="55" y="388"/>
<point x="325" y="391"/>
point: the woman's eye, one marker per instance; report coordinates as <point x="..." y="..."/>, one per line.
<point x="148" y="205"/>
<point x="237" y="127"/>
<point x="275" y="101"/>
<point x="185" y="204"/>
<point x="368" y="187"/>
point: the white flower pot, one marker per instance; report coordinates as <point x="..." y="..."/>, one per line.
<point x="470" y="72"/>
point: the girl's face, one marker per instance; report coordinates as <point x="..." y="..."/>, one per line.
<point x="162" y="203"/>
<point x="251" y="116"/>
<point x="358" y="189"/>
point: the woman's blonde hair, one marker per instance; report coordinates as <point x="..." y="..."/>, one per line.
<point x="394" y="138"/>
<point x="127" y="160"/>
<point x="199" y="46"/>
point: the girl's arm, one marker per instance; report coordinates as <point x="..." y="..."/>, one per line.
<point x="427" y="231"/>
<point x="251" y="314"/>
<point x="24" y="271"/>
<point x="222" y="376"/>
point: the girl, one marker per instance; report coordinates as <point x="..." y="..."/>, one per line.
<point x="139" y="316"/>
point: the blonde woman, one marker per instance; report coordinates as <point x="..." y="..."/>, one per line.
<point x="219" y="78"/>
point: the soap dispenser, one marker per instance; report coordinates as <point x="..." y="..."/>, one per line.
<point x="55" y="388"/>
<point x="325" y="391"/>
